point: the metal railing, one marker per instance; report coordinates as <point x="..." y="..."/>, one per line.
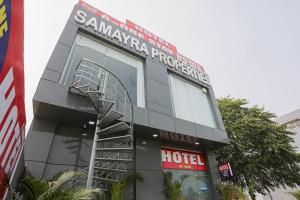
<point x="112" y="148"/>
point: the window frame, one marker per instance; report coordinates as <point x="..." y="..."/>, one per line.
<point x="198" y="86"/>
<point x="140" y="66"/>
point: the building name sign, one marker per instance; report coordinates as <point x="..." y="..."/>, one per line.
<point x="181" y="159"/>
<point x="139" y="39"/>
<point x="132" y="28"/>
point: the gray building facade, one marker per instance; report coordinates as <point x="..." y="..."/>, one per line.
<point x="173" y="108"/>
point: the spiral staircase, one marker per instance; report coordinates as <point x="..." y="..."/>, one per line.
<point x="112" y="152"/>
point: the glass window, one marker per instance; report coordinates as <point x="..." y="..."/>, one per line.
<point x="129" y="69"/>
<point x="195" y="185"/>
<point x="190" y="102"/>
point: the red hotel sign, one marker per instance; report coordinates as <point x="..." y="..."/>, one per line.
<point x="181" y="159"/>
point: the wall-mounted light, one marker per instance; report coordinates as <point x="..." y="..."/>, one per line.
<point x="197" y="143"/>
<point x="91" y="123"/>
<point x="155" y="135"/>
<point x="84" y="134"/>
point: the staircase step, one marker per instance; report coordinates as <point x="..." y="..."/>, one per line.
<point x="101" y="105"/>
<point x="82" y="88"/>
<point x="74" y="83"/>
<point x="114" y="160"/>
<point x="104" y="179"/>
<point x="112" y="170"/>
<point x="98" y="92"/>
<point x="75" y="88"/>
<point x="124" y="138"/>
<point x="110" y="117"/>
<point x="122" y="150"/>
<point x="121" y="126"/>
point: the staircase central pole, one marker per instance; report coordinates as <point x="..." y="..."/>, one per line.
<point x="93" y="156"/>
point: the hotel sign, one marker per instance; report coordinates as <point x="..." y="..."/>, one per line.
<point x="182" y="159"/>
<point x="139" y="39"/>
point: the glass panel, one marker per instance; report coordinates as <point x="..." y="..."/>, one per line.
<point x="131" y="72"/>
<point x="116" y="54"/>
<point x="195" y="185"/>
<point x="92" y="44"/>
<point x="132" y="61"/>
<point x="190" y="102"/>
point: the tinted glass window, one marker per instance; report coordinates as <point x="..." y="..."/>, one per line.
<point x="191" y="102"/>
<point x="124" y="66"/>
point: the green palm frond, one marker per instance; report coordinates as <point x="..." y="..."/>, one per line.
<point x="33" y="186"/>
<point x="172" y="189"/>
<point x="130" y="179"/>
<point x="118" y="187"/>
<point x="88" y="193"/>
<point x="57" y="184"/>
<point x="60" y="187"/>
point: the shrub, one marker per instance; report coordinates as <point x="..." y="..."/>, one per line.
<point x="229" y="191"/>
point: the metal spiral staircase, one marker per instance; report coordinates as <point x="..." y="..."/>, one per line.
<point x="112" y="153"/>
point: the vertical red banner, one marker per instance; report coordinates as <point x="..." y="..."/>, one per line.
<point x="12" y="108"/>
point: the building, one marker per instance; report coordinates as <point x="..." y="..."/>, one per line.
<point x="292" y="120"/>
<point x="115" y="98"/>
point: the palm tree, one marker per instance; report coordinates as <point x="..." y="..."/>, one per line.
<point x="172" y="188"/>
<point x="60" y="187"/>
<point x="119" y="187"/>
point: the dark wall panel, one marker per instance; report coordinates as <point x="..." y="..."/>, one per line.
<point x="148" y="163"/>
<point x="70" y="147"/>
<point x="39" y="140"/>
<point x="152" y="186"/>
<point x="59" y="57"/>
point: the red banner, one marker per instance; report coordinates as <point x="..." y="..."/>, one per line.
<point x="12" y="108"/>
<point x="97" y="12"/>
<point x="152" y="38"/>
<point x="190" y="62"/>
<point x="181" y="159"/>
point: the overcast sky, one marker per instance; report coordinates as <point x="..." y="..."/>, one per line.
<point x="250" y="48"/>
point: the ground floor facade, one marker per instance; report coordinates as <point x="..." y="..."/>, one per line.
<point x="52" y="147"/>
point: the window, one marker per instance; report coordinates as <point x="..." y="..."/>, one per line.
<point x="195" y="184"/>
<point x="190" y="102"/>
<point x="129" y="69"/>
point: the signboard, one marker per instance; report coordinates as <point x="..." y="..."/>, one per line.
<point x="12" y="109"/>
<point x="152" y="38"/>
<point x="182" y="159"/>
<point x="225" y="170"/>
<point x="138" y="39"/>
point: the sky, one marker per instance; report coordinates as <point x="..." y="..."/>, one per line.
<point x="249" y="48"/>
